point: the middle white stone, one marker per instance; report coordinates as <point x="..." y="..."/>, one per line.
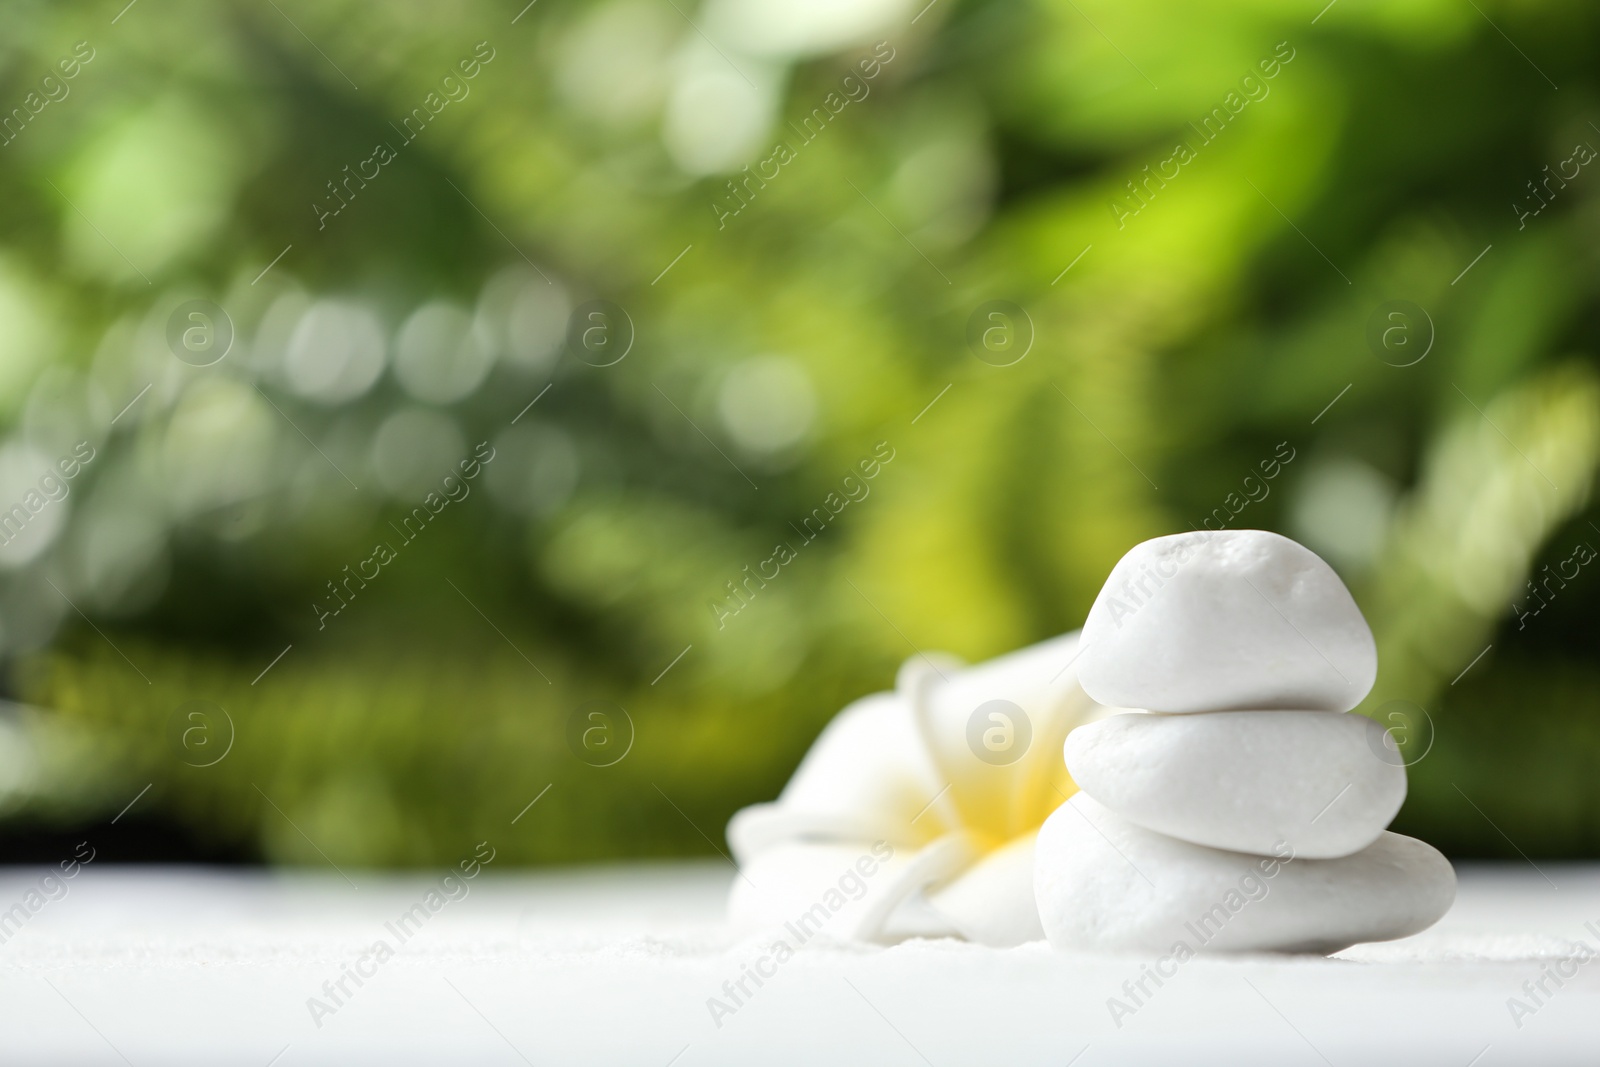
<point x="1321" y="783"/>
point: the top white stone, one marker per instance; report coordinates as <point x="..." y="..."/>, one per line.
<point x="1225" y="620"/>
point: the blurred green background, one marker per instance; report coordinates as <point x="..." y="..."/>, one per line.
<point x="1230" y="309"/>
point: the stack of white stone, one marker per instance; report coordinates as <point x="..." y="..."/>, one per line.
<point x="1243" y="808"/>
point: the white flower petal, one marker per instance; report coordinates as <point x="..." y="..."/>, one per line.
<point x="992" y="903"/>
<point x="914" y="773"/>
<point x="759" y="827"/>
<point x="846" y="891"/>
<point x="1008" y="793"/>
<point x="868" y="767"/>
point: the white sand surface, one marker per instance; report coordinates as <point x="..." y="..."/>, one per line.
<point x="616" y="966"/>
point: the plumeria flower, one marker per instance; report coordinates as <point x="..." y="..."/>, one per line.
<point x="915" y="812"/>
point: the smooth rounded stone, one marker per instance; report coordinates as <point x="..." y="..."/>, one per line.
<point x="1231" y="619"/>
<point x="1315" y="782"/>
<point x="1104" y="884"/>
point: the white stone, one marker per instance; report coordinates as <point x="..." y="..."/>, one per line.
<point x="1233" y="619"/>
<point x="1104" y="884"/>
<point x="1322" y="783"/>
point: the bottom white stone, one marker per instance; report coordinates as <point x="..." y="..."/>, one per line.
<point x="1104" y="884"/>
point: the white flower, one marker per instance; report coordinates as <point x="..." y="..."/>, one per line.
<point x="954" y="771"/>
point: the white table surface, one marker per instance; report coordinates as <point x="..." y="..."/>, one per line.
<point x="600" y="966"/>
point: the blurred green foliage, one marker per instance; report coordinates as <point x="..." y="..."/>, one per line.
<point x="1209" y="319"/>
